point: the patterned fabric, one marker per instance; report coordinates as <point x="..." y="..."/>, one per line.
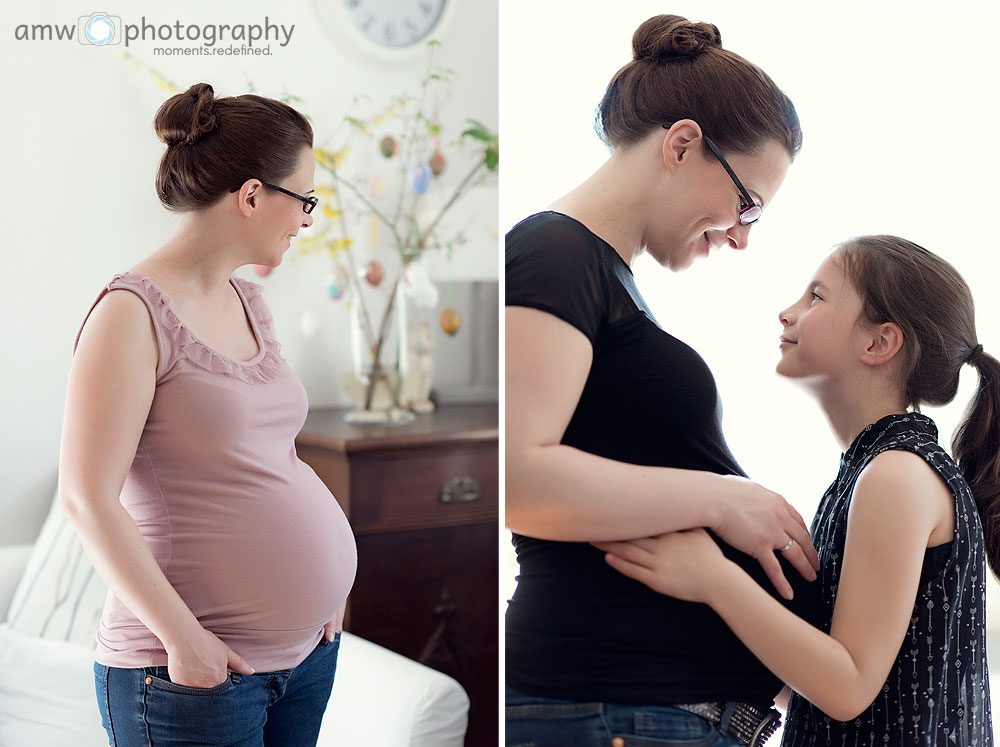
<point x="937" y="692"/>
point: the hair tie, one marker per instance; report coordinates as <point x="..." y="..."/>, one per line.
<point x="975" y="355"/>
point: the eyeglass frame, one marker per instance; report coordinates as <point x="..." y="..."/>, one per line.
<point x="747" y="203"/>
<point x="308" y="203"/>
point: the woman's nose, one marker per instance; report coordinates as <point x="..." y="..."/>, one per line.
<point x="739" y="236"/>
<point x="786" y="318"/>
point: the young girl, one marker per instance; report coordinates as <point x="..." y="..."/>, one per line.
<point x="899" y="655"/>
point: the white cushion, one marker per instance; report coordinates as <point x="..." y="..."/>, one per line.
<point x="60" y="596"/>
<point x="47" y="695"/>
<point x="380" y="699"/>
<point x="418" y="706"/>
<point x="13" y="559"/>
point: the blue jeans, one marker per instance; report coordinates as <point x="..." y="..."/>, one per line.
<point x="533" y="721"/>
<point x="267" y="709"/>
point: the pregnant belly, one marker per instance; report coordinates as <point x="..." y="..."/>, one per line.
<point x="280" y="560"/>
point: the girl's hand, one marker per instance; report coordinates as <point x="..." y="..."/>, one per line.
<point x="202" y="660"/>
<point x="679" y="564"/>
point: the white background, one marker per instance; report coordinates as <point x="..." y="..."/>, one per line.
<point x="898" y="109"/>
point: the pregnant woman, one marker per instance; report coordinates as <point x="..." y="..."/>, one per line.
<point x="227" y="559"/>
<point x="614" y="425"/>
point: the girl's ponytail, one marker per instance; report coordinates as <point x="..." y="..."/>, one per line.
<point x="901" y="282"/>
<point x="976" y="447"/>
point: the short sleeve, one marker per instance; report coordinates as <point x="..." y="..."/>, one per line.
<point x="554" y="264"/>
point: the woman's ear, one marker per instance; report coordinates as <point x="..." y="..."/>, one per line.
<point x="886" y="341"/>
<point x="247" y="197"/>
<point x="683" y="136"/>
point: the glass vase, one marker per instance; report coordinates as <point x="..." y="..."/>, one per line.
<point x="376" y="383"/>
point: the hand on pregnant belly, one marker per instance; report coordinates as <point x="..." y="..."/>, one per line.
<point x="200" y="659"/>
<point x="683" y="565"/>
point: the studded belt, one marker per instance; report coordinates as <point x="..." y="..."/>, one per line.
<point x="750" y="724"/>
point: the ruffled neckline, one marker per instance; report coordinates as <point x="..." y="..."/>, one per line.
<point x="261" y="369"/>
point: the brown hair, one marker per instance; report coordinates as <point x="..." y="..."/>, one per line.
<point x="215" y="144"/>
<point x="679" y="70"/>
<point x="903" y="283"/>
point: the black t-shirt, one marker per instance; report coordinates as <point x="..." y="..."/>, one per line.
<point x="575" y="628"/>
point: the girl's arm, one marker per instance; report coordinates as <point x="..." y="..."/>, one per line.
<point x="561" y="493"/>
<point x="899" y="503"/>
<point x="110" y="390"/>
<point x="781" y="699"/>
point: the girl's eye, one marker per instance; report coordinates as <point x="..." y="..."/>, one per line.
<point x="815" y="296"/>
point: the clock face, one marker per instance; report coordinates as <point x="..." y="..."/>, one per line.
<point x="395" y="24"/>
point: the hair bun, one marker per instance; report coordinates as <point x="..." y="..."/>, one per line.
<point x="187" y="117"/>
<point x="668" y="37"/>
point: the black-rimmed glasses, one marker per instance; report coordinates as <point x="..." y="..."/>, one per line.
<point x="308" y="203"/>
<point x="750" y="211"/>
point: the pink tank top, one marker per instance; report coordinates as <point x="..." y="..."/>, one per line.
<point x="247" y="534"/>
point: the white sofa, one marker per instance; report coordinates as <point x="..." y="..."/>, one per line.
<point x="50" y="602"/>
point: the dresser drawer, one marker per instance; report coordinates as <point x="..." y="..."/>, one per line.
<point x="424" y="489"/>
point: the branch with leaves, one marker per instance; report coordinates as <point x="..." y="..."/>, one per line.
<point x="420" y="160"/>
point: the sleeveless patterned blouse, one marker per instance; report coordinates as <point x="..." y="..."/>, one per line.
<point x="937" y="692"/>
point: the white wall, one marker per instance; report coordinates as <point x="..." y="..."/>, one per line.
<point x="79" y="159"/>
<point x="898" y="106"/>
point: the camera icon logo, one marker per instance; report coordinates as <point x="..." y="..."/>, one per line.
<point x="99" y="29"/>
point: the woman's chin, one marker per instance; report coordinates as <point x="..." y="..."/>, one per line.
<point x="679" y="263"/>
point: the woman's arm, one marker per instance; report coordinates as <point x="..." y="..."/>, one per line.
<point x="561" y="493"/>
<point x="110" y="390"/>
<point x="898" y="502"/>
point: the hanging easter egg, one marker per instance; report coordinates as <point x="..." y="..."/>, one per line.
<point x="262" y="270"/>
<point x="450" y="321"/>
<point x="437" y="163"/>
<point x="336" y="284"/>
<point x="374" y="273"/>
<point x="388" y="146"/>
<point x="420" y="177"/>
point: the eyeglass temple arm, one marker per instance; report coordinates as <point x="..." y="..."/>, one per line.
<point x="746" y="195"/>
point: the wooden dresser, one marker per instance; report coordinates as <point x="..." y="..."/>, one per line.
<point x="422" y="499"/>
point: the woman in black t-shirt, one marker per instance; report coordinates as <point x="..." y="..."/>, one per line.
<point x="613" y="425"/>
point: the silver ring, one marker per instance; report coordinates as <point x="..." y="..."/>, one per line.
<point x="788" y="545"/>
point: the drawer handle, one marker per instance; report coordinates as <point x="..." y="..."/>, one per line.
<point x="460" y="490"/>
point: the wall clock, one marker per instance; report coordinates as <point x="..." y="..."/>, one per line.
<point x="384" y="30"/>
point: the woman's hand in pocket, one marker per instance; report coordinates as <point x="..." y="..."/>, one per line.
<point x="202" y="660"/>
<point x="335" y="625"/>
